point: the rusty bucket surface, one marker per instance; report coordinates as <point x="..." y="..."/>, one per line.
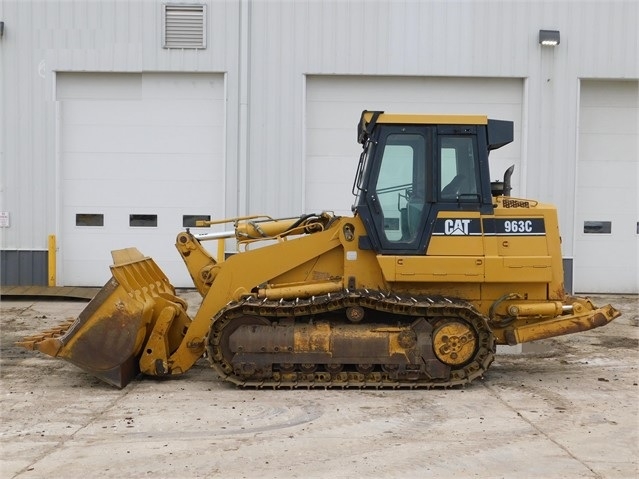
<point x="108" y="336"/>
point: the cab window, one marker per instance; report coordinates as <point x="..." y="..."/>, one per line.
<point x="400" y="186"/>
<point x="457" y="169"/>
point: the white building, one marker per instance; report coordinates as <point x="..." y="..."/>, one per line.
<point x="114" y="116"/>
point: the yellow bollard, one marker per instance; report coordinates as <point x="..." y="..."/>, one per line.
<point x="51" y="261"/>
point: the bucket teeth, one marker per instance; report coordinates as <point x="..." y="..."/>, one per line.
<point x="30" y="342"/>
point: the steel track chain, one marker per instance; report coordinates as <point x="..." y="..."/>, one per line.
<point x="412" y="307"/>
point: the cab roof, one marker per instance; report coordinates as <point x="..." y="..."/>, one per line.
<point x="419" y="119"/>
<point x="499" y="132"/>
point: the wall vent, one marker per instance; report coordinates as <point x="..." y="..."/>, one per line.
<point x="184" y="26"/>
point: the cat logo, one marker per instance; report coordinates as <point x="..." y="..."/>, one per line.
<point x="456" y="227"/>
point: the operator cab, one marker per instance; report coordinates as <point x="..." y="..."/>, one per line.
<point x="414" y="166"/>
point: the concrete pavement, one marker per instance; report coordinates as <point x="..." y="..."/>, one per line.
<point x="569" y="410"/>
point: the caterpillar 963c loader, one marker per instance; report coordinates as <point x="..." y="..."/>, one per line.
<point x="435" y="268"/>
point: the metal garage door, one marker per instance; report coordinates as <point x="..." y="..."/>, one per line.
<point x="334" y="104"/>
<point x="139" y="154"/>
<point x="607" y="217"/>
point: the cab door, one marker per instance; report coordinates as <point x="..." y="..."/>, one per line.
<point x="398" y="195"/>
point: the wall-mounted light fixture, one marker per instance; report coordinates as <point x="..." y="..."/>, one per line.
<point x="549" y="38"/>
<point x="1" y="29"/>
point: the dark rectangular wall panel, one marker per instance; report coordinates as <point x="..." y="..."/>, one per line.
<point x="23" y="268"/>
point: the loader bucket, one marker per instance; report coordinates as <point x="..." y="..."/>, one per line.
<point x="108" y="337"/>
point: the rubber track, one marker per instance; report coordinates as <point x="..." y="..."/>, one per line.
<point x="412" y="307"/>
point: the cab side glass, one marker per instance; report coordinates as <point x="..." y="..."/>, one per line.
<point x="400" y="186"/>
<point x="457" y="169"/>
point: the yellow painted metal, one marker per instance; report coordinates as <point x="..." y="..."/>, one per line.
<point x="399" y="118"/>
<point x="426" y="269"/>
<point x="556" y="326"/>
<point x="221" y="251"/>
<point x="201" y="265"/>
<point x="545" y="262"/>
<point x="535" y="269"/>
<point x="312" y="338"/>
<point x="257" y="267"/>
<point x="549" y="308"/>
<point x="51" y="257"/>
<point x="265" y="229"/>
<point x="454" y="343"/>
<point x="157" y="345"/>
<point x="456" y="245"/>
<point x="163" y="317"/>
<point x="384" y="340"/>
<point x="300" y="290"/>
<point x="235" y="219"/>
<point x="122" y="324"/>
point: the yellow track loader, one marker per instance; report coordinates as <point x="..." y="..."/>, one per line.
<point x="436" y="266"/>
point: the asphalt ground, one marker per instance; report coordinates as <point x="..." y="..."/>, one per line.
<point x="566" y="408"/>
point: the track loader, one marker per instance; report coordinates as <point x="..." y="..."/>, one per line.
<point x="436" y="266"/>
